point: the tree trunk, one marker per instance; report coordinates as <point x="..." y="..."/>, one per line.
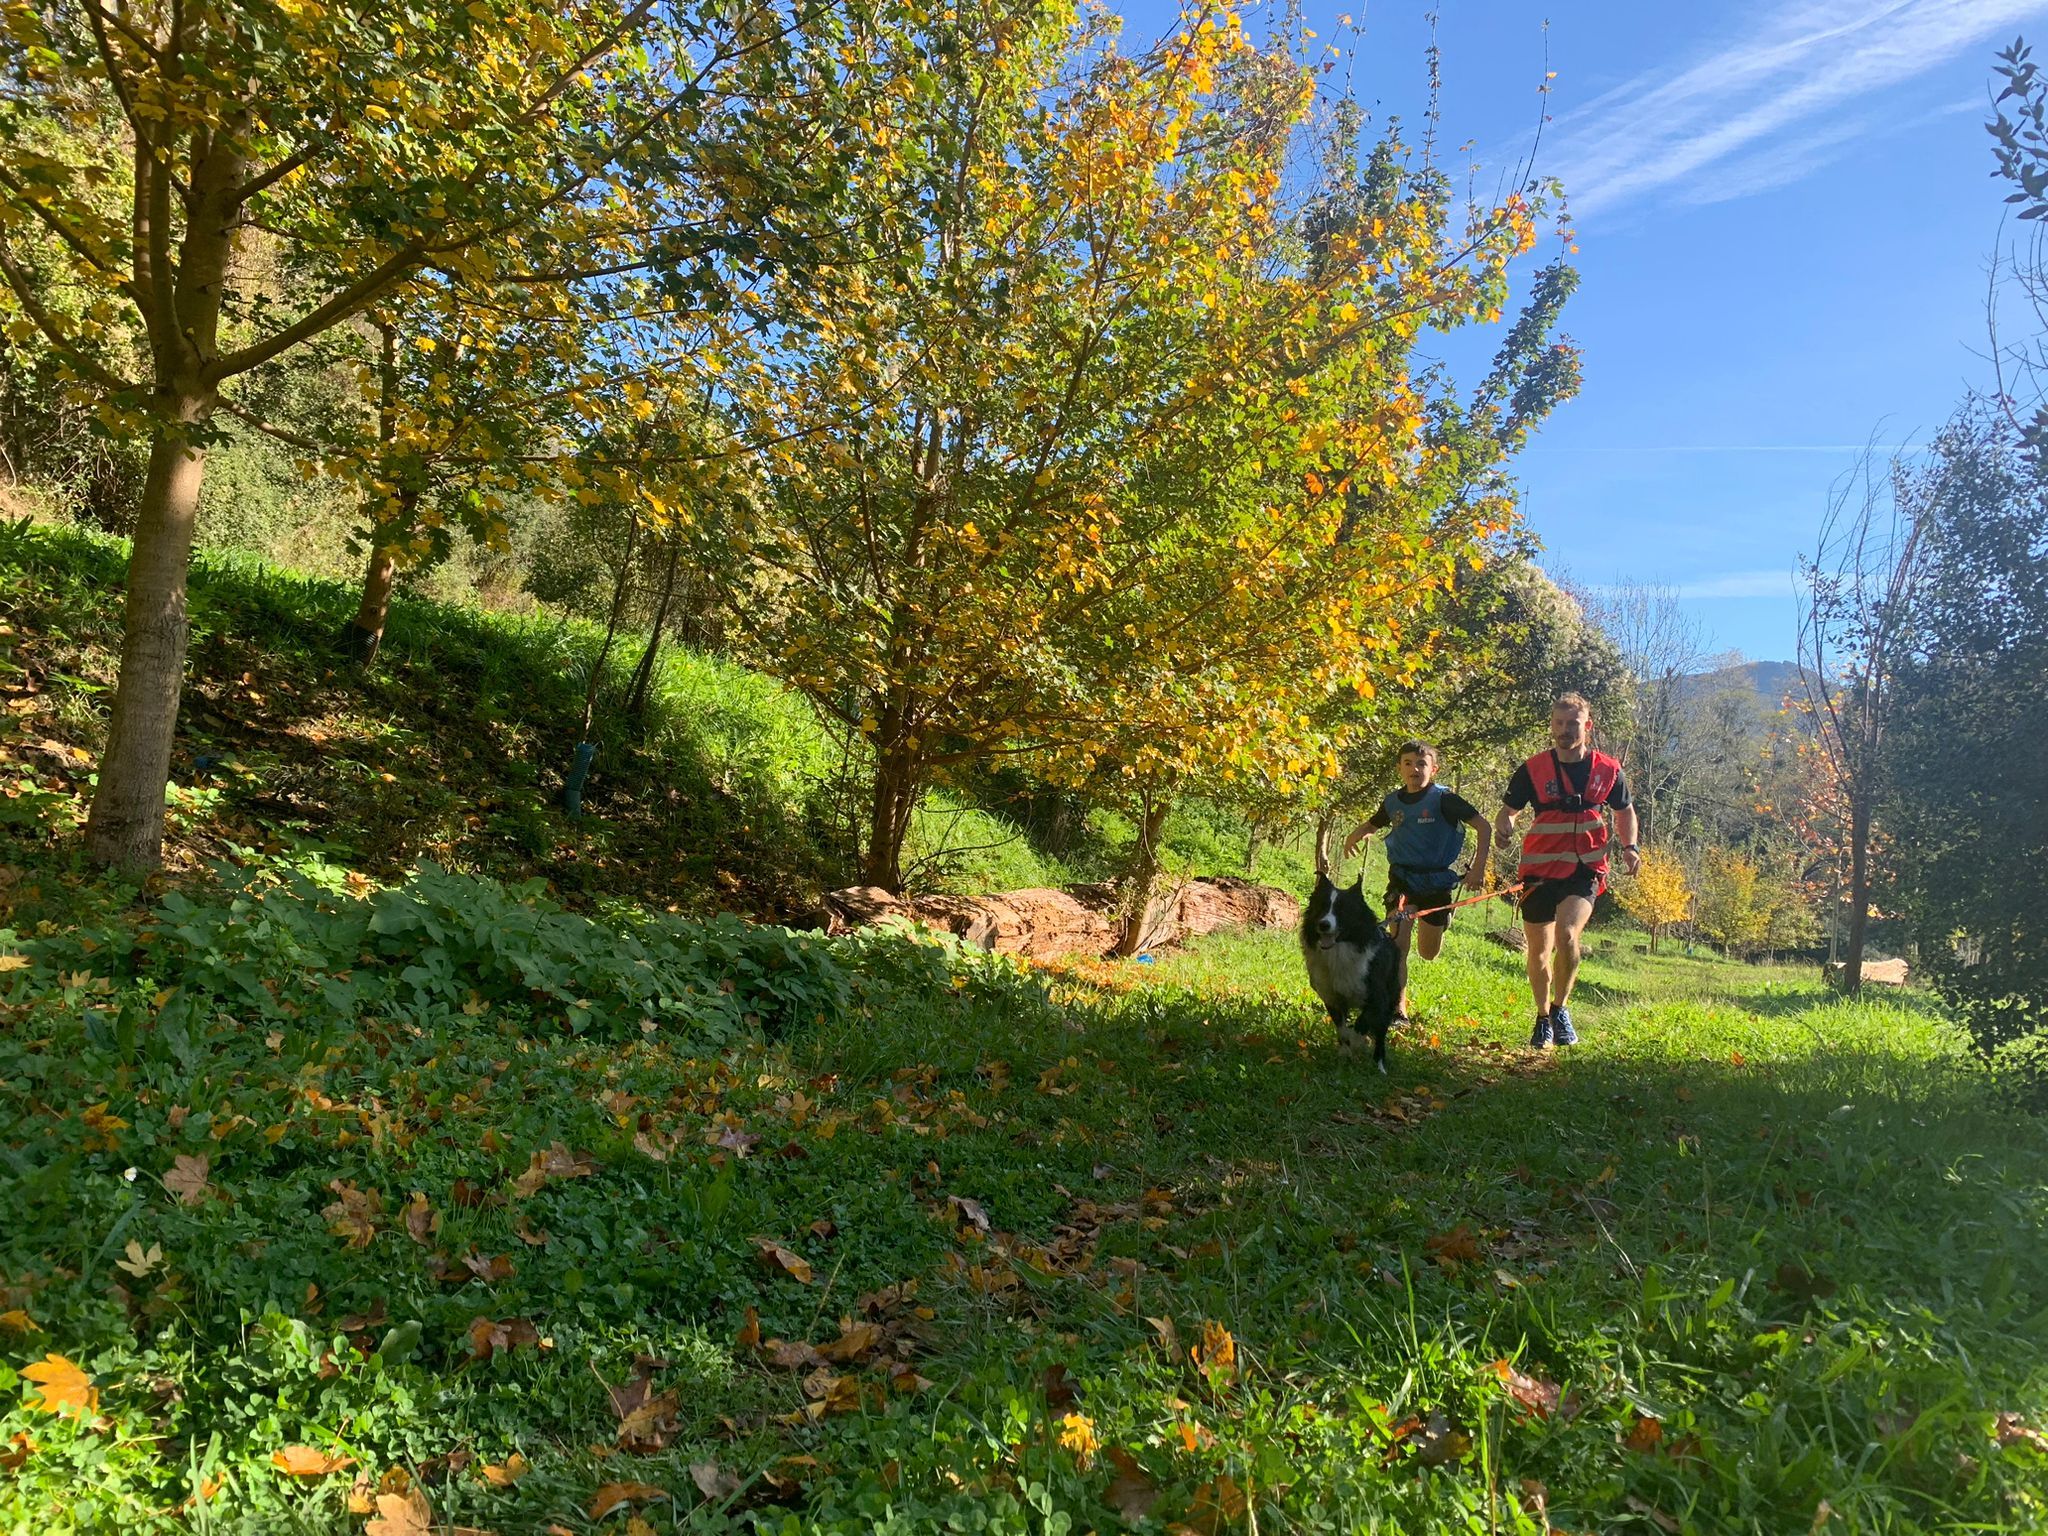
<point x="1859" y="889"/>
<point x="1326" y="835"/>
<point x="125" y="828"/>
<point x="889" y="808"/>
<point x="364" y="635"/>
<point x="1143" y="876"/>
<point x="643" y="675"/>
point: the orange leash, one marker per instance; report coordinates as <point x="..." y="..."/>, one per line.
<point x="1401" y="912"/>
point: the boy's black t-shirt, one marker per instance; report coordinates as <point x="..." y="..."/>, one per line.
<point x="1521" y="792"/>
<point x="1456" y="808"/>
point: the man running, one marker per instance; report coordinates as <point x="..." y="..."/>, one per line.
<point x="1564" y="857"/>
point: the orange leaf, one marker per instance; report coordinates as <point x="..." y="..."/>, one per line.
<point x="615" y="1495"/>
<point x="305" y="1461"/>
<point x="506" y="1473"/>
<point x="402" y="1514"/>
<point x="1645" y="1435"/>
<point x="62" y="1388"/>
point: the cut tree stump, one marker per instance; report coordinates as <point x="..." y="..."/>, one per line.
<point x="1043" y="924"/>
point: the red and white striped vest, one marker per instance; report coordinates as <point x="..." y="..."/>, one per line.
<point x="1569" y="833"/>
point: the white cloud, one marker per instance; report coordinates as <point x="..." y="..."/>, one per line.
<point x="1739" y="584"/>
<point x="1765" y="107"/>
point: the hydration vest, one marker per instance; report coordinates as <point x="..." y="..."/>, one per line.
<point x="1569" y="834"/>
<point x="1422" y="842"/>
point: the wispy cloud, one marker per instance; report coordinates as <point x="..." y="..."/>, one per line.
<point x="1767" y="105"/>
<point x="1739" y="584"/>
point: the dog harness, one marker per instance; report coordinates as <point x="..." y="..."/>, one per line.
<point x="1422" y="842"/>
<point x="1569" y="833"/>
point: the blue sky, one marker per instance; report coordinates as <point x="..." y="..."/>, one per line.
<point x="1785" y="216"/>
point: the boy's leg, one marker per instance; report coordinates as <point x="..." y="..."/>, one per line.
<point x="1572" y="915"/>
<point x="1429" y="942"/>
<point x="1404" y="935"/>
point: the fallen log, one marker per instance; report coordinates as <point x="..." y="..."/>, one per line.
<point x="1043" y="924"/>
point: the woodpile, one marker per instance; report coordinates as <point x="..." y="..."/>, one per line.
<point x="1043" y="924"/>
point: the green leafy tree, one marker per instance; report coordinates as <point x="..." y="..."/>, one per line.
<point x="368" y="146"/>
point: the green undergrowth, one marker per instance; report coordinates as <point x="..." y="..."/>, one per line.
<point x="525" y="1221"/>
<point x="452" y="748"/>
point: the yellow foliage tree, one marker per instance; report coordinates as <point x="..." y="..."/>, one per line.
<point x="1110" y="455"/>
<point x="1657" y="895"/>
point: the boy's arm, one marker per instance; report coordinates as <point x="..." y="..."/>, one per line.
<point x="1363" y="830"/>
<point x="1482" y="844"/>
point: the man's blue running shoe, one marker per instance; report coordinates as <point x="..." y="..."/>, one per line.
<point x="1561" y="1031"/>
<point x="1540" y="1036"/>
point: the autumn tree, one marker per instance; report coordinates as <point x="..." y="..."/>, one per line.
<point x="366" y="146"/>
<point x="1108" y="432"/>
<point x="1731" y="904"/>
<point x="1658" y="895"/>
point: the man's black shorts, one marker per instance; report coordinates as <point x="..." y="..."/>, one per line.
<point x="1420" y="898"/>
<point x="1540" y="901"/>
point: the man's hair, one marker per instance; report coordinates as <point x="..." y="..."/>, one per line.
<point x="1574" y="701"/>
<point x="1419" y="748"/>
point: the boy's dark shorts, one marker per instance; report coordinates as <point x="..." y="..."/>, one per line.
<point x="1419" y="898"/>
<point x="1542" y="899"/>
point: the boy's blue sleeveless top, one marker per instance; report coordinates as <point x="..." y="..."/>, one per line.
<point x="1421" y="840"/>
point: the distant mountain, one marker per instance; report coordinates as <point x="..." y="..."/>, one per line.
<point x="1771" y="681"/>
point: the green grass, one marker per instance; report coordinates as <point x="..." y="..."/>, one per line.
<point x="1792" y="1232"/>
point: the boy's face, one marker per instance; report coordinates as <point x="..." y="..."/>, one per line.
<point x="1416" y="770"/>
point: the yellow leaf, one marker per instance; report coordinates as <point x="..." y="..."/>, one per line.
<point x="1077" y="1434"/>
<point x="19" y="1321"/>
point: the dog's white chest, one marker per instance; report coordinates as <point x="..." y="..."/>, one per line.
<point x="1338" y="973"/>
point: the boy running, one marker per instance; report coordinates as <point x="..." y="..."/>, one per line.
<point x="1564" y="857"/>
<point x="1425" y="826"/>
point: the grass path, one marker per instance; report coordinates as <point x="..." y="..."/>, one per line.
<point x="1104" y="1248"/>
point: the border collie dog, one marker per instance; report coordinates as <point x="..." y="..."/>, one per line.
<point x="1352" y="964"/>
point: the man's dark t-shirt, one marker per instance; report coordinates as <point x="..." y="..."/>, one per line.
<point x="1521" y="793"/>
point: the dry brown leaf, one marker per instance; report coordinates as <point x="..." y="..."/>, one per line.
<point x="1538" y="1396"/>
<point x="750" y="1331"/>
<point x="1439" y="1443"/>
<point x="713" y="1481"/>
<point x="422" y="1221"/>
<point x="1131" y="1493"/>
<point x="780" y="1259"/>
<point x="488" y="1338"/>
<point x="1656" y="1516"/>
<point x="2009" y="1429"/>
<point x="557" y="1162"/>
<point x="187" y="1178"/>
<point x="968" y="1213"/>
<point x="1645" y="1435"/>
<point x="354" y="1215"/>
<point x="16" y="1453"/>
<point x="1452" y="1248"/>
<point x="307" y="1461"/>
<point x="855" y="1340"/>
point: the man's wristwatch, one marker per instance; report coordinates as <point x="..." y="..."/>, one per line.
<point x="1630" y="848"/>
